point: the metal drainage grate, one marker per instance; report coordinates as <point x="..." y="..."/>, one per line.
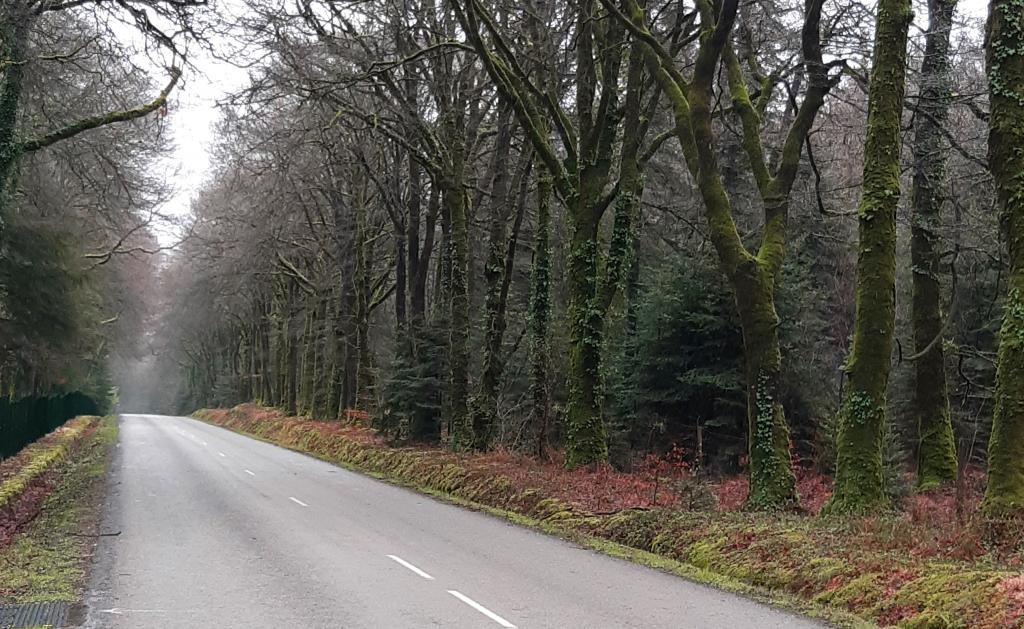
<point x="34" y="614"/>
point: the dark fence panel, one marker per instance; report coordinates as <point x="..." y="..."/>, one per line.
<point x="25" y="420"/>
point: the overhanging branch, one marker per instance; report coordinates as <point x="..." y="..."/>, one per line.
<point x="96" y="122"/>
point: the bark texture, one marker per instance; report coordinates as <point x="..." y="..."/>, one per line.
<point x="859" y="484"/>
<point x="936" y="455"/>
<point x="1004" y="495"/>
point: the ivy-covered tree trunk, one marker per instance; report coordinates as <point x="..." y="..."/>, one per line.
<point x="586" y="440"/>
<point x="485" y="402"/>
<point x="622" y="250"/>
<point x="1004" y="494"/>
<point x="752" y="276"/>
<point x="13" y="35"/>
<point x="461" y="427"/>
<point x="936" y="456"/>
<point x="859" y="484"/>
<point x="599" y="61"/>
<point x="772" y="481"/>
<point x="540" y="313"/>
<point x="580" y="175"/>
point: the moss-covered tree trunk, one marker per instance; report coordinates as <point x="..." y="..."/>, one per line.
<point x="752" y="277"/>
<point x="307" y="370"/>
<point x="263" y="357"/>
<point x="364" y="395"/>
<point x="599" y="61"/>
<point x="279" y="342"/>
<point x="244" y="364"/>
<point x="291" y="378"/>
<point x="485" y="401"/>
<point x="936" y="455"/>
<point x="456" y="203"/>
<point x="321" y="360"/>
<point x="586" y="439"/>
<point x="1004" y="495"/>
<point x="772" y="481"/>
<point x="580" y="175"/>
<point x="540" y="314"/>
<point x="13" y="35"/>
<point x="859" y="484"/>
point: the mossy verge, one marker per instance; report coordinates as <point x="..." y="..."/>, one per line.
<point x="47" y="560"/>
<point x="41" y="456"/>
<point x="815" y="566"/>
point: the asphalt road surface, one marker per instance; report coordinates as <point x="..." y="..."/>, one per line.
<point x="221" y="531"/>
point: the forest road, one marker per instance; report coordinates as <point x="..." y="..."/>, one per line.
<point x="221" y="531"/>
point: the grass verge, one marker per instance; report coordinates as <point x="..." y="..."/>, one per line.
<point x="46" y="561"/>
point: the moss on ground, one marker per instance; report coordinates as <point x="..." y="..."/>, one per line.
<point x="47" y="560"/>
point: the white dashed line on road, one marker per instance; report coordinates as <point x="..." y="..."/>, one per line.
<point x="480" y="608"/>
<point x="297" y="501"/>
<point x="249" y="473"/>
<point x="222" y="454"/>
<point x="411" y="567"/>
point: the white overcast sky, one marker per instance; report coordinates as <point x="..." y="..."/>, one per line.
<point x="194" y="116"/>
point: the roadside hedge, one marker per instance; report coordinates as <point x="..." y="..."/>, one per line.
<point x="28" y="419"/>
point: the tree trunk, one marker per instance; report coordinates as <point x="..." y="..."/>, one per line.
<point x="13" y="38"/>
<point x="460" y="426"/>
<point x="586" y="441"/>
<point x="772" y="481"/>
<point x="540" y="312"/>
<point x="485" y="402"/>
<point x="365" y="396"/>
<point x="859" y="484"/>
<point x="279" y="343"/>
<point x="321" y="361"/>
<point x="1004" y="495"/>
<point x="936" y="456"/>
<point x="401" y="272"/>
<point x="243" y="364"/>
<point x="336" y="350"/>
<point x="416" y="292"/>
<point x="307" y="369"/>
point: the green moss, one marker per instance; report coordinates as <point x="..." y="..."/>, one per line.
<point x="585" y="437"/>
<point x="859" y="483"/>
<point x="42" y="457"/>
<point x="863" y="590"/>
<point x="930" y="621"/>
<point x="936" y="463"/>
<point x="823" y="569"/>
<point x="47" y="561"/>
<point x="704" y="553"/>
<point x="1004" y="493"/>
<point x="953" y="599"/>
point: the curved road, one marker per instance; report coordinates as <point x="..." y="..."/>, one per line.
<point x="219" y="530"/>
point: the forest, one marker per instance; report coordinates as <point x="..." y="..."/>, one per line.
<point x="769" y="237"/>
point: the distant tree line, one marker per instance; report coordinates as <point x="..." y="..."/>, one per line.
<point x="81" y="123"/>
